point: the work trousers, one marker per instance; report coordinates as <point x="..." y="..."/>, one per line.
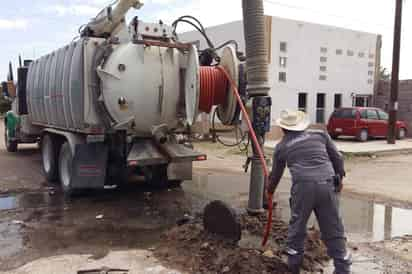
<point x="321" y="198"/>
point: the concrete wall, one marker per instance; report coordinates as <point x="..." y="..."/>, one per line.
<point x="381" y="99"/>
<point x="346" y="75"/>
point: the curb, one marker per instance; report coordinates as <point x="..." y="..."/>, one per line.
<point x="392" y="152"/>
<point x="371" y="154"/>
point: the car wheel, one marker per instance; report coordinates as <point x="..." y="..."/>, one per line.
<point x="363" y="135"/>
<point x="11" y="146"/>
<point x="401" y="133"/>
<point x="65" y="169"/>
<point x="50" y="157"/>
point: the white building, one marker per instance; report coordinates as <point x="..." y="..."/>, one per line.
<point x="313" y="67"/>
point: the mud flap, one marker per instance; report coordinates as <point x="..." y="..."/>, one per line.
<point x="89" y="165"/>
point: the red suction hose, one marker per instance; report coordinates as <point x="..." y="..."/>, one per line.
<point x="213" y="86"/>
<point x="258" y="148"/>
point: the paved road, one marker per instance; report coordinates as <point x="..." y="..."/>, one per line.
<point x="36" y="222"/>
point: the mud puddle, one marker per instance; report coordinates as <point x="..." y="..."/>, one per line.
<point x="42" y="224"/>
<point x="365" y="220"/>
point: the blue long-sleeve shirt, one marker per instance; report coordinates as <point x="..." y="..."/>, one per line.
<point x="309" y="155"/>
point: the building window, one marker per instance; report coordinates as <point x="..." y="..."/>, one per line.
<point x="283" y="47"/>
<point x="322" y="68"/>
<point x="370" y="64"/>
<point x="323" y="50"/>
<point x="320" y="108"/>
<point x="338" y="101"/>
<point x="322" y="77"/>
<point x="282" y="76"/>
<point x="361" y="101"/>
<point x="361" y="54"/>
<point x="339" y="52"/>
<point x="350" y="53"/>
<point x="370" y="72"/>
<point x="302" y="101"/>
<point x="282" y="62"/>
<point x="323" y="59"/>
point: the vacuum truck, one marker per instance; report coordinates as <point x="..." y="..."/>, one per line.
<point x="121" y="99"/>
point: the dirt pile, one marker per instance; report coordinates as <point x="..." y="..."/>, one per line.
<point x="190" y="248"/>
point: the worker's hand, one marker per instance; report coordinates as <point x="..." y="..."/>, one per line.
<point x="267" y="200"/>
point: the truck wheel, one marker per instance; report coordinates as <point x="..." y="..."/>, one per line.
<point x="50" y="157"/>
<point x="11" y="146"/>
<point x="363" y="135"/>
<point x="65" y="168"/>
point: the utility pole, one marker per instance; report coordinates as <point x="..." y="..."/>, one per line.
<point x="393" y="101"/>
<point x="257" y="88"/>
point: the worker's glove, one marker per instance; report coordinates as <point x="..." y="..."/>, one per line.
<point x="338" y="183"/>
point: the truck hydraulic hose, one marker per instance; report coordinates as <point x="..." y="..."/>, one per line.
<point x="258" y="148"/>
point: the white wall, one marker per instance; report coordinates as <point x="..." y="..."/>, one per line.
<point x="345" y="74"/>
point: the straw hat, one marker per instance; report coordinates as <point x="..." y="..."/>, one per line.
<point x="293" y="120"/>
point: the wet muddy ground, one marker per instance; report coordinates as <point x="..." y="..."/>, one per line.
<point x="36" y="222"/>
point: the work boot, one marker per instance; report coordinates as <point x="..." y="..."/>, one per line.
<point x="295" y="260"/>
<point x="295" y="269"/>
<point x="342" y="266"/>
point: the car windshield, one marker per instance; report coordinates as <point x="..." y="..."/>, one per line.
<point x="344" y="114"/>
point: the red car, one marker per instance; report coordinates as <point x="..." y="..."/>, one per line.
<point x="362" y="123"/>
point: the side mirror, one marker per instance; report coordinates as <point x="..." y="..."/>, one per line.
<point x="11" y="89"/>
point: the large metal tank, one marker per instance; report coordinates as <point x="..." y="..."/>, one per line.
<point x="138" y="87"/>
<point x="141" y="84"/>
<point x="57" y="87"/>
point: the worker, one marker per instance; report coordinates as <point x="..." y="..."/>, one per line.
<point x="317" y="170"/>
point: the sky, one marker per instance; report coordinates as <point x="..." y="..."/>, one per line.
<point x="36" y="27"/>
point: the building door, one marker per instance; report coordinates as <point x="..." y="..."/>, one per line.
<point x="302" y="101"/>
<point x="338" y="101"/>
<point x="320" y="108"/>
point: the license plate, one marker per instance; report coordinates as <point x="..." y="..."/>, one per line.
<point x="338" y="130"/>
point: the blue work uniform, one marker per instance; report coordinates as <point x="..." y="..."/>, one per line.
<point x="313" y="161"/>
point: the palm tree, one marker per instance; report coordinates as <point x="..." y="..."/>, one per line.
<point x="384" y="74"/>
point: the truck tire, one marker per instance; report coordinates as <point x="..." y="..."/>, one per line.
<point x="50" y="157"/>
<point x="11" y="146"/>
<point x="65" y="169"/>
